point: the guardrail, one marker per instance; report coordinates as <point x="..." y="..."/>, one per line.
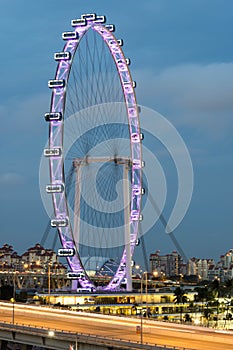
<point x="76" y="338"/>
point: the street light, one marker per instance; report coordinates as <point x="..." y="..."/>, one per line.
<point x="142" y="279"/>
<point x="13" y="299"/>
<point x="76" y="344"/>
<point x="141" y="330"/>
<point x="49" y="264"/>
<point x="13" y="310"/>
<point x="49" y="282"/>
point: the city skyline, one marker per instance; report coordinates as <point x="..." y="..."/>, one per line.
<point x="10" y="258"/>
<point x="182" y="60"/>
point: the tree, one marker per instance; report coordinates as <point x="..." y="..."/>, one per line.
<point x="206" y="295"/>
<point x="203" y="294"/>
<point x="216" y="288"/>
<point x="228" y="314"/>
<point x="6" y="292"/>
<point x="180" y="298"/>
<point x="229" y="288"/>
<point x="187" y="318"/>
<point x="215" y="304"/>
<point x="207" y="313"/>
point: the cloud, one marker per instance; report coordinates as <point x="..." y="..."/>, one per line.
<point x="27" y="114"/>
<point x="11" y="179"/>
<point x="200" y="88"/>
<point x="191" y="94"/>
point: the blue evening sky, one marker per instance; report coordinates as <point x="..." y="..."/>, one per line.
<point x="182" y="60"/>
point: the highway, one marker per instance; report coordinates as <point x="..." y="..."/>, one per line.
<point x="154" y="332"/>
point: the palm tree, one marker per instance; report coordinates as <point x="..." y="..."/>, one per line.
<point x="215" y="288"/>
<point x="215" y="304"/>
<point x="203" y="294"/>
<point x="217" y="291"/>
<point x="229" y="288"/>
<point x="187" y="318"/>
<point x="180" y="298"/>
<point x="207" y="313"/>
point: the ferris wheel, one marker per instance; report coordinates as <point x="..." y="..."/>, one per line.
<point x="94" y="152"/>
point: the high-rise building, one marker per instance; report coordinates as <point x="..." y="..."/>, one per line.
<point x="168" y="265"/>
<point x="35" y="259"/>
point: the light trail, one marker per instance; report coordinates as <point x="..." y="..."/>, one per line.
<point x="154" y="332"/>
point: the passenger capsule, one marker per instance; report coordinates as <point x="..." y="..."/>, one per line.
<point x="120" y="42"/>
<point x="89" y="16"/>
<point x="62" y="56"/>
<point x="72" y="275"/>
<point x="66" y="252"/>
<point x="55" y="188"/>
<point x="52" y="152"/>
<point x="70" y="35"/>
<point x="79" y="22"/>
<point x="56" y="83"/>
<point x="110" y="27"/>
<point x="59" y="222"/>
<point x="85" y="290"/>
<point x="53" y="116"/>
<point x="100" y="19"/>
<point x="75" y="275"/>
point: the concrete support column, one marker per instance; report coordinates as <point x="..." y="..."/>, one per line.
<point x="3" y="344"/>
<point x="127" y="229"/>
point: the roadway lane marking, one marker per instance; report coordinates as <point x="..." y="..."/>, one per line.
<point x="171" y="329"/>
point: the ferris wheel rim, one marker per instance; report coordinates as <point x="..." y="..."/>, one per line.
<point x="56" y="129"/>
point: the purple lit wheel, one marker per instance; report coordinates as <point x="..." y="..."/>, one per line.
<point x="92" y="72"/>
